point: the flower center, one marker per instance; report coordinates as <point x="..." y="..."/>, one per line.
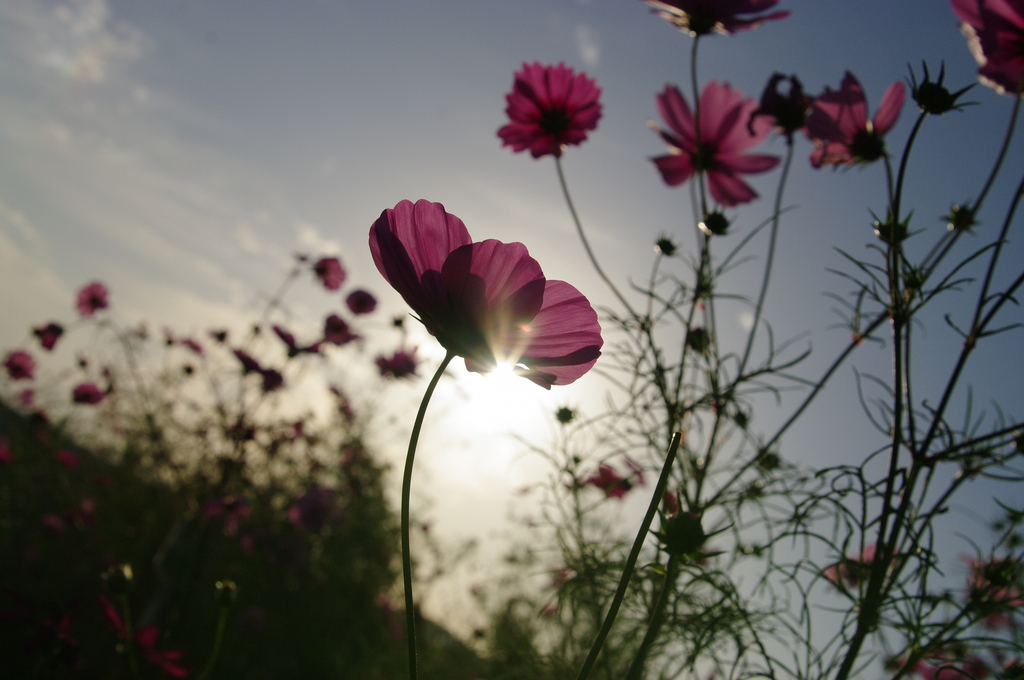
<point x="554" y="121"/>
<point x="867" y="146"/>
<point x="705" y="159"/>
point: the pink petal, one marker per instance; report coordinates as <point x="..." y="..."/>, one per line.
<point x="676" y="112"/>
<point x="729" y="190"/>
<point x="411" y="240"/>
<point x="494" y="281"/>
<point x="749" y="163"/>
<point x="564" y="338"/>
<point x="719" y="111"/>
<point x="675" y="168"/>
<point x="889" y="109"/>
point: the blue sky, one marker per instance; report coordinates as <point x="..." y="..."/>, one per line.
<point x="182" y="150"/>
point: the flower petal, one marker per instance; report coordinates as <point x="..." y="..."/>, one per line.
<point x="564" y="338"/>
<point x="889" y="109"/>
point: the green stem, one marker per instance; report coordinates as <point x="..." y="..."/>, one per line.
<point x="634" y="553"/>
<point x="410" y="613"/>
<point x="218" y="639"/>
<point x="586" y="243"/>
<point x="671" y="571"/>
<point x="129" y="635"/>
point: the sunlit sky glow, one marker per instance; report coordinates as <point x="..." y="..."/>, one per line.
<point x="183" y="150"/>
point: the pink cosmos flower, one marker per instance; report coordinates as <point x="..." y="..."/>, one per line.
<point x="330" y="272"/>
<point x="87" y="393"/>
<point x="402" y="364"/>
<point x="92" y="298"/>
<point x="294" y="349"/>
<point x="27" y="398"/>
<point x="726" y="132"/>
<point x="20" y="365"/>
<point x="609" y="481"/>
<point x="48" y="335"/>
<point x="337" y="332"/>
<point x="995" y="35"/>
<point x="549" y="108"/>
<point x="68" y="459"/>
<point x="145" y="640"/>
<point x="992" y="589"/>
<point x="699" y="17"/>
<point x="361" y="302"/>
<point x="487" y="302"/>
<point x="839" y="125"/>
<point x="852" y="570"/>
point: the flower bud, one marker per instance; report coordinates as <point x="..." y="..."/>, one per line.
<point x="715" y="224"/>
<point x="683" y="534"/>
<point x="118" y="579"/>
<point x="227" y="593"/>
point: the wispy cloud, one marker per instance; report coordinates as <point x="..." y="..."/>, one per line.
<point x="77" y="39"/>
<point x="587" y="45"/>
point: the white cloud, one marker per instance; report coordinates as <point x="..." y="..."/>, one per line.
<point x="587" y="45"/>
<point x="76" y="38"/>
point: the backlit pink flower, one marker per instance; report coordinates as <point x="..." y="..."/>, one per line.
<point x="839" y="125"/>
<point x="361" y="302"/>
<point x="549" y="108"/>
<point x="68" y="459"/>
<point x="48" y="335"/>
<point x="726" y="132"/>
<point x="487" y="302"/>
<point x="337" y="332"/>
<point x="145" y="640"/>
<point x="87" y="393"/>
<point x="330" y="272"/>
<point x="995" y="34"/>
<point x="851" y="571"/>
<point x="92" y="298"/>
<point x="401" y="364"/>
<point x="20" y="365"/>
<point x="698" y="17"/>
<point x="609" y="481"/>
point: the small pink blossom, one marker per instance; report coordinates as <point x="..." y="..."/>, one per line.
<point x="337" y="332"/>
<point x="145" y="639"/>
<point x="699" y="17"/>
<point x="402" y="364"/>
<point x="293" y="348"/>
<point x="191" y="344"/>
<point x="27" y="398"/>
<point x="87" y="393"/>
<point x="612" y="483"/>
<point x="839" y="125"/>
<point x="68" y="459"/>
<point x="727" y="131"/>
<point x="48" y="335"/>
<point x="995" y="35"/>
<point x="92" y="298"/>
<point x="361" y="302"/>
<point x="20" y="365"/>
<point x="330" y="272"/>
<point x="272" y="379"/>
<point x="549" y="108"/>
<point x="851" y="571"/>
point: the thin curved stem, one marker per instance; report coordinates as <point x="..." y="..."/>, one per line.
<point x="586" y="243"/>
<point x="653" y="628"/>
<point x="634" y="553"/>
<point x="410" y="613"/>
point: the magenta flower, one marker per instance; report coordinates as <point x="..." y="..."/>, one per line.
<point x="20" y="365"/>
<point x="726" y="132"/>
<point x="839" y="125"/>
<point x="68" y="459"/>
<point x="852" y="570"/>
<point x="337" y="332"/>
<point x="699" y="17"/>
<point x="92" y="298"/>
<point x="995" y="35"/>
<point x="330" y="272"/>
<point x="549" y="108"/>
<point x="609" y="481"/>
<point x="87" y="393"/>
<point x="145" y="640"/>
<point x="361" y="302"/>
<point x="27" y="398"/>
<point x="402" y="364"/>
<point x="272" y="379"/>
<point x="48" y="335"/>
<point x="487" y="302"/>
<point x="249" y="364"/>
<point x="293" y="348"/>
<point x="788" y="113"/>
